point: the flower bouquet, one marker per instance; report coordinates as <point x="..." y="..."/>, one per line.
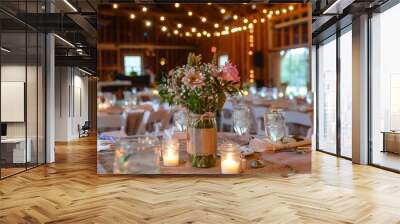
<point x="202" y="89"/>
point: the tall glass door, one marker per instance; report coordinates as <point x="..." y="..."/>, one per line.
<point x="346" y="95"/>
<point x="385" y="89"/>
<point x="326" y="96"/>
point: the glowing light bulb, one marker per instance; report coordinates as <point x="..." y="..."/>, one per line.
<point x="235" y="17"/>
<point x="245" y="20"/>
<point x="177" y="5"/>
<point x="164" y="28"/>
<point x="144" y="9"/>
<point x="203" y="19"/>
<point x="148" y="23"/>
<point x="193" y="29"/>
<point x="132" y="16"/>
<point x="179" y="25"/>
<point x="216" y="25"/>
<point x="162" y="18"/>
<point x="190" y="13"/>
<point x="291" y="7"/>
<point x="176" y="32"/>
<point x="222" y="11"/>
<point x="115" y="6"/>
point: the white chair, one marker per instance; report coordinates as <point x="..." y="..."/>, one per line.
<point x="258" y="119"/>
<point x="108" y="122"/>
<point x="298" y="119"/>
<point x="132" y="122"/>
<point x="226" y="119"/>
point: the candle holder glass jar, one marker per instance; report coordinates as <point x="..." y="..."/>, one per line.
<point x="202" y="140"/>
<point x="170" y="153"/>
<point x="230" y="158"/>
<point x="137" y="155"/>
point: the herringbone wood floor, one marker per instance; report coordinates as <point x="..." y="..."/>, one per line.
<point x="70" y="191"/>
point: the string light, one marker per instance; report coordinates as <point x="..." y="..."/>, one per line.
<point x="148" y="23"/>
<point x="250" y="25"/>
<point x="284" y="11"/>
<point x="162" y="18"/>
<point x="132" y="16"/>
<point x="277" y="12"/>
<point x="226" y="27"/>
<point x="254" y="20"/>
<point x="203" y="19"/>
<point x="204" y="32"/>
<point x="179" y="25"/>
<point x="262" y="20"/>
<point x="265" y="11"/>
<point x="144" y="9"/>
<point x="115" y="6"/>
<point x="250" y="52"/>
<point x="187" y="34"/>
<point x="164" y="28"/>
<point x="291" y="7"/>
<point x="176" y="32"/>
<point x="222" y="11"/>
<point x="217" y="34"/>
<point x="208" y="35"/>
<point x="198" y="34"/>
<point x="235" y="17"/>
<point x="245" y="20"/>
<point x="244" y="27"/>
<point x="269" y="16"/>
<point x="193" y="29"/>
<point x="216" y="25"/>
<point x="177" y="5"/>
<point x="190" y="13"/>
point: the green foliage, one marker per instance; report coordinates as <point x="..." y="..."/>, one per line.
<point x="202" y="161"/>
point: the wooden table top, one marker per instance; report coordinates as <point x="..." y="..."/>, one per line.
<point x="285" y="162"/>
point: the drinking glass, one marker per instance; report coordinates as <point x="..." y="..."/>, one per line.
<point x="274" y="124"/>
<point x="241" y="119"/>
<point x="180" y="120"/>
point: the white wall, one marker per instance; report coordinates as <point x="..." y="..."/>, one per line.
<point x="71" y="102"/>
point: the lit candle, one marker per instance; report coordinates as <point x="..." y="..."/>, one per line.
<point x="229" y="165"/>
<point x="170" y="154"/>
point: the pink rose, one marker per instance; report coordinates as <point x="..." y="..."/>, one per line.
<point x="230" y="73"/>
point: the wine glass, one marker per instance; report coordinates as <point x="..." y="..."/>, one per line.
<point x="241" y="119"/>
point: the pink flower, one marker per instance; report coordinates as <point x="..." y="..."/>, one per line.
<point x="230" y="73"/>
<point x="193" y="79"/>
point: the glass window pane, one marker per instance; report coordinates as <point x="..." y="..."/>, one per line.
<point x="385" y="84"/>
<point x="327" y="97"/>
<point x="13" y="86"/>
<point x="133" y="65"/>
<point x="294" y="71"/>
<point x="346" y="94"/>
<point x="222" y="59"/>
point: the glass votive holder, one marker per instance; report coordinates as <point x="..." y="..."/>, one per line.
<point x="230" y="158"/>
<point x="137" y="155"/>
<point x="170" y="153"/>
